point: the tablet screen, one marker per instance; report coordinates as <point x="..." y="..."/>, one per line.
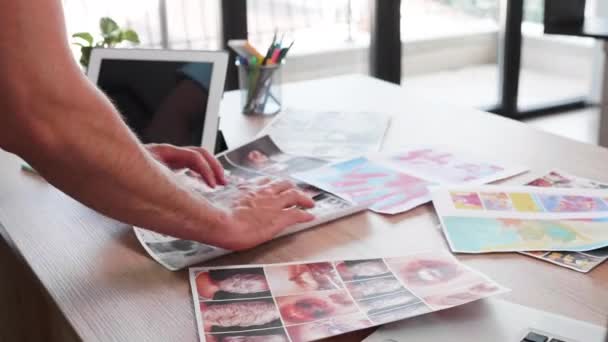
<point x="162" y="101"/>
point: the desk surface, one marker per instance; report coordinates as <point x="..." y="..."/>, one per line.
<point x="108" y="288"/>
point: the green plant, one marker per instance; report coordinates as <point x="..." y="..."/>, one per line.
<point x="111" y="35"/>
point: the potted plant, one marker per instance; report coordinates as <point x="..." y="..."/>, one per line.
<point x="111" y="35"/>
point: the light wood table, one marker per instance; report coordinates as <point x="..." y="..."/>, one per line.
<point x="64" y="258"/>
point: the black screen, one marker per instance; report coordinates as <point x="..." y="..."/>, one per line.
<point x="162" y="102"/>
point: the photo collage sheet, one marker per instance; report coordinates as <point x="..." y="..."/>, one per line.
<point x="313" y="300"/>
<point x="578" y="261"/>
<point x="246" y="167"/>
<point x="397" y="182"/>
<point x="324" y="134"/>
<point x="487" y="219"/>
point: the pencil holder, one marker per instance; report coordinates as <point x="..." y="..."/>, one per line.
<point x="260" y="87"/>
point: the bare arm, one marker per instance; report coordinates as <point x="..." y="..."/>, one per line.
<point x="54" y="118"/>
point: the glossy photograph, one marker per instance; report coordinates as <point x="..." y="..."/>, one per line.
<point x="301" y="278"/>
<point x="374" y="287"/>
<point x="351" y="270"/>
<point x="239" y="315"/>
<point x="440" y="280"/>
<point x="315" y="306"/>
<point x="235" y="283"/>
<point x="266" y="335"/>
<point x="329" y="327"/>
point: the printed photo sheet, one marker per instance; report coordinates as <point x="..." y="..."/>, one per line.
<point x="578" y="261"/>
<point x="246" y="168"/>
<point x="397" y="182"/>
<point x="514" y="219"/>
<point x="328" y="134"/>
<point x="313" y="300"/>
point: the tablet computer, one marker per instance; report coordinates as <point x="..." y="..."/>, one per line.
<point x="164" y="96"/>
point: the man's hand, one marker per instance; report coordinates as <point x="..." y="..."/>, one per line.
<point x="196" y="159"/>
<point x="262" y="213"/>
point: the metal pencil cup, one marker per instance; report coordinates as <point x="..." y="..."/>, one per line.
<point x="260" y="87"/>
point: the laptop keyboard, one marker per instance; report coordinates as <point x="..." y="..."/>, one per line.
<point x="540" y="337"/>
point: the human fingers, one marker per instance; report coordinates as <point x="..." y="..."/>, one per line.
<point x="263" y="181"/>
<point x="215" y="165"/>
<point x="293" y="197"/>
<point x="292" y="216"/>
<point x="194" y="161"/>
<point x="278" y="187"/>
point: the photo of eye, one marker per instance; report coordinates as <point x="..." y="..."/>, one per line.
<point x="351" y="270"/>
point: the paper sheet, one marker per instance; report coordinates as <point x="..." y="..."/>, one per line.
<point x="312" y="300"/>
<point x="512" y="219"/>
<point x="397" y="182"/>
<point x="328" y="135"/>
<point x="245" y="167"/>
<point x="581" y="262"/>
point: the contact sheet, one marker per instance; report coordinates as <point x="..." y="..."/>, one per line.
<point x="313" y="300"/>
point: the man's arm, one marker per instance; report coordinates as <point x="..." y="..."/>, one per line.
<point x="55" y="119"/>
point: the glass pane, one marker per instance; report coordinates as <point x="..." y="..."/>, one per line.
<point x="450" y="51"/>
<point x="316" y="25"/>
<point x="141" y="15"/>
<point x="194" y="24"/>
<point x="553" y="68"/>
<point x="427" y="19"/>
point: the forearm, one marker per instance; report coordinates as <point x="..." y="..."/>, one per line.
<point x="85" y="149"/>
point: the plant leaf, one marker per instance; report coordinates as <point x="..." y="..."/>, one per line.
<point x="86" y="36"/>
<point x="107" y="26"/>
<point x="85" y="56"/>
<point x="130" y="36"/>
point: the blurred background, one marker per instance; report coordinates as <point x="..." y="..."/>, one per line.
<point x="450" y="48"/>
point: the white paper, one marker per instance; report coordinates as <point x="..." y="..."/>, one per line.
<point x="328" y="135"/>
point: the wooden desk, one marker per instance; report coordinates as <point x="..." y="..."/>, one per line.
<point x="108" y="289"/>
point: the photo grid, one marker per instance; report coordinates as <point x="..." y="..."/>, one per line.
<point x="309" y="301"/>
<point x="577" y="261"/>
<point x="528" y="202"/>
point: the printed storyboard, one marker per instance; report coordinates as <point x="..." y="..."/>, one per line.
<point x="313" y="300"/>
<point x="397" y="182"/>
<point x="513" y="219"/>
<point x="578" y="261"/>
